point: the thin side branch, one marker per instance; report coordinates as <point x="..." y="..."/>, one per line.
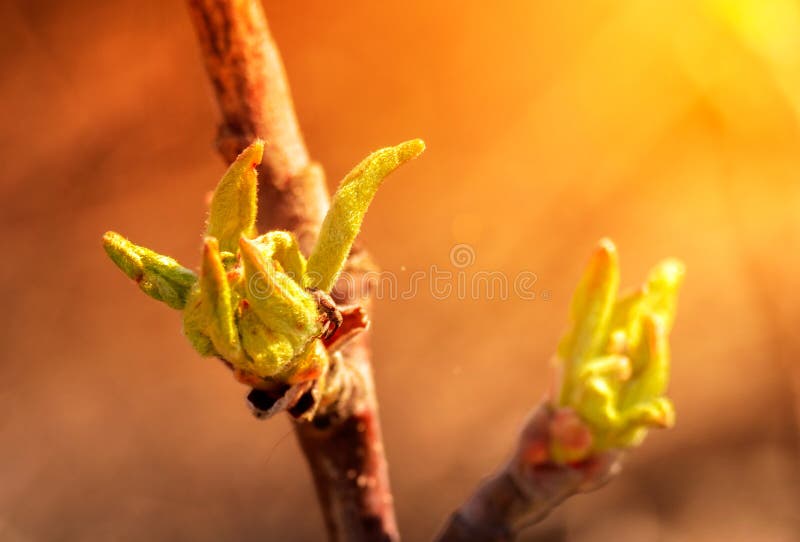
<point x="343" y="444"/>
<point x="527" y="488"/>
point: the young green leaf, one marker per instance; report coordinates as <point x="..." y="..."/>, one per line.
<point x="283" y="248"/>
<point x="158" y="276"/>
<point x="233" y="207"/>
<point x="590" y="311"/>
<point x="348" y="207"/>
<point x="210" y="311"/>
<point x="280" y="302"/>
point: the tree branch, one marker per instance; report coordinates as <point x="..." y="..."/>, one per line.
<point x="527" y="488"/>
<point x="347" y="461"/>
<point x="343" y="442"/>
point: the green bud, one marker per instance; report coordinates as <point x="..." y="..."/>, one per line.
<point x="279" y="301"/>
<point x="252" y="305"/>
<point x="615" y="354"/>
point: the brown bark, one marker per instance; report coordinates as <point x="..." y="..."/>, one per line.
<point x="347" y="462"/>
<point x="342" y="443"/>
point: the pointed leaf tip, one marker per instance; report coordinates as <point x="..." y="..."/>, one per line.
<point x="606" y="249"/>
<point x="252" y="154"/>
<point x="124" y="254"/>
<point x="408" y="150"/>
<point x="251" y="256"/>
<point x="669" y="273"/>
<point x="603" y="266"/>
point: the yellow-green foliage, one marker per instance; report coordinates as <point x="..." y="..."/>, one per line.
<point x="348" y="207"/>
<point x="160" y="277"/>
<point x="251" y="304"/>
<point x="615" y="355"/>
<point x="209" y="317"/>
<point x="233" y="207"/>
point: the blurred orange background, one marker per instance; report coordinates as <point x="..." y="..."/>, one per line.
<point x="671" y="127"/>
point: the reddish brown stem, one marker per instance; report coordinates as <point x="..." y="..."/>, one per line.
<point x="343" y="445"/>
<point x="347" y="462"/>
